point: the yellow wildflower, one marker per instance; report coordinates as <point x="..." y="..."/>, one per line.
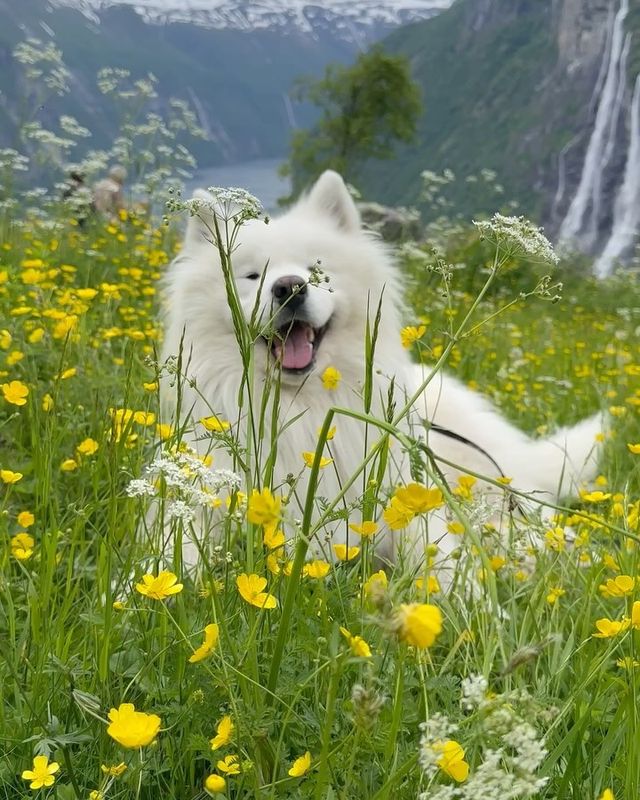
<point x="9" y="476"/>
<point x="620" y="586"/>
<point x="114" y="771"/>
<point x="300" y="766"/>
<point x="151" y="386"/>
<point x="610" y="627"/>
<point x="331" y="378"/>
<point x="215" y="424"/>
<point x="145" y="418"/>
<point x="309" y="458"/>
<point x="607" y="795"/>
<point x="160" y="586"/>
<point x="419" y="624"/>
<point x="465" y="487"/>
<point x="317" y="569"/>
<point x="344" y="553"/>
<point x="25" y="519"/>
<point x="15" y="392"/>
<point x="595" y="497"/>
<point x="224" y="732"/>
<point x="263" y="508"/>
<point x="634" y="448"/>
<point x="215" y="783"/>
<point x="42" y="773"/>
<point x="418" y="498"/>
<point x="433" y="585"/>
<point x="451" y="759"/>
<point x="555" y="593"/>
<point x="272" y="538"/>
<point x="357" y="644"/>
<point x="230" y="765"/>
<point x="22" y="545"/>
<point x="397" y="515"/>
<point x="132" y="728"/>
<point x="376" y="583"/>
<point x="211" y="633"/>
<point x="87" y="447"/>
<point x="68" y="465"/>
<point x="47" y="403"/>
<point x="251" y="588"/>
<point x="366" y="528"/>
<point x="411" y="334"/>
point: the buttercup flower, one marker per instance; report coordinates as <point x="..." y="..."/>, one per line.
<point x="69" y="465"/>
<point x="420" y="624"/>
<point x="42" y="772"/>
<point x="159" y="587"/>
<point x="9" y="476"/>
<point x="251" y="588"/>
<point x="22" y="546"/>
<point x="344" y="553"/>
<point x="620" y="586"/>
<point x="114" y="771"/>
<point x="224" y="732"/>
<point x="635" y="449"/>
<point x="263" y="508"/>
<point x="331" y="378"/>
<point x="301" y="766"/>
<point x="26" y="519"/>
<point x="215" y="783"/>
<point x="418" y="498"/>
<point x="357" y="644"/>
<point x="309" y="457"/>
<point x="15" y="393"/>
<point x="411" y="334"/>
<point x="365" y="529"/>
<point x="607" y="795"/>
<point x="210" y="640"/>
<point x="610" y="627"/>
<point x="88" y="447"/>
<point x="317" y="569"/>
<point x="132" y="728"/>
<point x="215" y="424"/>
<point x="230" y="765"/>
<point x="451" y="760"/>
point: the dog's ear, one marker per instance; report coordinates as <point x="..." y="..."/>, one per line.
<point x="200" y="224"/>
<point x="330" y="196"/>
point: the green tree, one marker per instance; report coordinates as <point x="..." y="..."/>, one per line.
<point x="365" y="109"/>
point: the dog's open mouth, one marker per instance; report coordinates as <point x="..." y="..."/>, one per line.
<point x="295" y="344"/>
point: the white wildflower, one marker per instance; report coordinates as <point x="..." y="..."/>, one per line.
<point x="474" y="692"/>
<point x="181" y="511"/>
<point x="518" y="232"/>
<point x="139" y="487"/>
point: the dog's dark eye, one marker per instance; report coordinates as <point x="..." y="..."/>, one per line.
<point x="252" y="276"/>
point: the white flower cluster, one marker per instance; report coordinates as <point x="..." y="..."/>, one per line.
<point x="512" y="749"/>
<point x="190" y="482"/>
<point x="474" y="692"/>
<point x="518" y="232"/>
<point x="230" y="205"/>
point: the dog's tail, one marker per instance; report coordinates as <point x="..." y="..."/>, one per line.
<point x="569" y="458"/>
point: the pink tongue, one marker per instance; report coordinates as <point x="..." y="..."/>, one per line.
<point x="297" y="350"/>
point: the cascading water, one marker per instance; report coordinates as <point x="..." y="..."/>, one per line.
<point x="580" y="225"/>
<point x="626" y="212"/>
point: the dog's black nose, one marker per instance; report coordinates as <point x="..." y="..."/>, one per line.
<point x="290" y="290"/>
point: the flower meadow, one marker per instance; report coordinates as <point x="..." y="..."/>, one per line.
<point x="126" y="676"/>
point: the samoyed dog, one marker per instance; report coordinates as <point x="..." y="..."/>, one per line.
<point x="309" y="326"/>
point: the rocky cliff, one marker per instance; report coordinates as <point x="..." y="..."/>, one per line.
<point x="545" y="94"/>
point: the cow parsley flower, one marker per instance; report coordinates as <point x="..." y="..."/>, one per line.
<point x="520" y="233"/>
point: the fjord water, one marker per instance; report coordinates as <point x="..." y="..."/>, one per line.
<point x="259" y="176"/>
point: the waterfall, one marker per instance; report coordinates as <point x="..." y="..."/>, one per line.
<point x="626" y="211"/>
<point x="581" y="221"/>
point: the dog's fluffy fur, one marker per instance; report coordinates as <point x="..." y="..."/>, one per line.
<point x="324" y="226"/>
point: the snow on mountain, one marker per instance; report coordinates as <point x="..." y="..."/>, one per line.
<point x="349" y="18"/>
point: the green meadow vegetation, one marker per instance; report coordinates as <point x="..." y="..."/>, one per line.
<point x="268" y="674"/>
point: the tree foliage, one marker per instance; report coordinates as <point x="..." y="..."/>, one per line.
<point x="364" y="110"/>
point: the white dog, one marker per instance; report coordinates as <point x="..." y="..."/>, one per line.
<point x="309" y="327"/>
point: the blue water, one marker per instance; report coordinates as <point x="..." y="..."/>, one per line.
<point x="260" y="177"/>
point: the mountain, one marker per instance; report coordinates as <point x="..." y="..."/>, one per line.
<point x="235" y="62"/>
<point x="543" y="93"/>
